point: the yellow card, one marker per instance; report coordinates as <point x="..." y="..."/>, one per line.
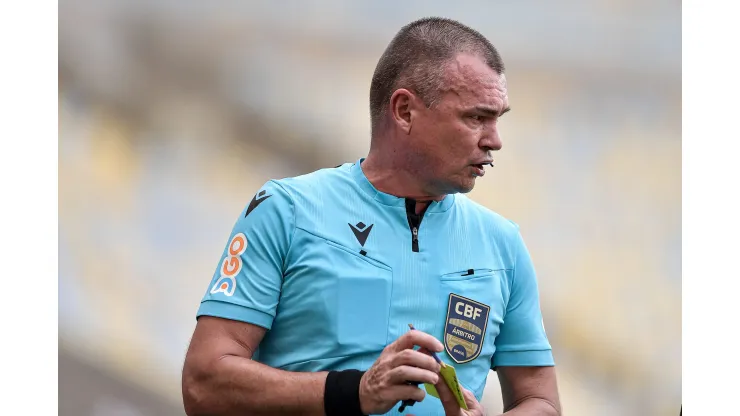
<point x="450" y="378"/>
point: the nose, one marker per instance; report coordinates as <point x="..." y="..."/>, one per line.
<point x="491" y="140"/>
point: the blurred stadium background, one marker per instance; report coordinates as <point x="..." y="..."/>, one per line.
<point x="173" y="113"/>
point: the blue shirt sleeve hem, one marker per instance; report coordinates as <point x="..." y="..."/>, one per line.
<point x="541" y="358"/>
<point x="235" y="312"/>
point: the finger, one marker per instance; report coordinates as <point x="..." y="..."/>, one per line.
<point x="427" y="352"/>
<point x="405" y="374"/>
<point x="417" y="338"/>
<point x="471" y="400"/>
<point x="447" y="398"/>
<point x="432" y="356"/>
<point x="415" y="358"/>
<point x="407" y="392"/>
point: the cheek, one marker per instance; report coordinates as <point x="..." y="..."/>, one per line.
<point x="461" y="140"/>
<point x="448" y="141"/>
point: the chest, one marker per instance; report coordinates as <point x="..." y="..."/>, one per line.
<point x="366" y="275"/>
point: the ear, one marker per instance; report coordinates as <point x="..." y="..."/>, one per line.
<point x="404" y="108"/>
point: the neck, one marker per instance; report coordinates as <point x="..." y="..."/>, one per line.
<point x="392" y="176"/>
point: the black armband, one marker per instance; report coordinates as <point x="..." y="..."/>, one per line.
<point x="342" y="393"/>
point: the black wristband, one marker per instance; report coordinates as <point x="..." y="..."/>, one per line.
<point x="342" y="393"/>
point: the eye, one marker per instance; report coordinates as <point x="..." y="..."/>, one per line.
<point x="476" y="117"/>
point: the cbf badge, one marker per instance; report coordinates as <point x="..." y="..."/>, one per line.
<point x="465" y="328"/>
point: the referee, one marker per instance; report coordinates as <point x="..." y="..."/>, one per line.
<point x="308" y="310"/>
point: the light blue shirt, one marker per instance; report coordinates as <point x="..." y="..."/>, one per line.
<point x="336" y="270"/>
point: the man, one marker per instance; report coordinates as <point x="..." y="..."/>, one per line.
<point x="309" y="308"/>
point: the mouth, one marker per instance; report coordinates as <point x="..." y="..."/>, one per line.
<point x="479" y="168"/>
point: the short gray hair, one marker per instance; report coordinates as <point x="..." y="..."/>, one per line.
<point x="415" y="59"/>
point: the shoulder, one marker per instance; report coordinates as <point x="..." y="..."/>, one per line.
<point x="310" y="192"/>
<point x="490" y="221"/>
<point x="312" y="184"/>
<point x="292" y="199"/>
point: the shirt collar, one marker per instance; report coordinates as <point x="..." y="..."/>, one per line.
<point x="391" y="200"/>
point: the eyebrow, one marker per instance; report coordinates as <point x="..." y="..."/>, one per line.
<point x="491" y="112"/>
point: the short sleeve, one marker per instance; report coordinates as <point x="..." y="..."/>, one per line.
<point x="248" y="280"/>
<point x="522" y="340"/>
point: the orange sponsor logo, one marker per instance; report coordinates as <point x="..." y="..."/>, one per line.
<point x="231" y="266"/>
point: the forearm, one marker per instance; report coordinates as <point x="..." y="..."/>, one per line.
<point x="237" y="386"/>
<point x="534" y="406"/>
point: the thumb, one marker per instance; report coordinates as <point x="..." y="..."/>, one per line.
<point x="470" y="400"/>
<point x="452" y="408"/>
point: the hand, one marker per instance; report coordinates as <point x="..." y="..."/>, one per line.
<point x="386" y="382"/>
<point x="452" y="408"/>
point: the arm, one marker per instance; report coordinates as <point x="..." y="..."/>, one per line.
<point x="219" y="377"/>
<point x="523" y="357"/>
<point x="529" y="391"/>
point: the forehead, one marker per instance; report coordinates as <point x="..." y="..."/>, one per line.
<point x="469" y="81"/>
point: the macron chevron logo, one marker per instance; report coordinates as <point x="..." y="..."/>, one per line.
<point x="256" y="201"/>
<point x="361" y="231"/>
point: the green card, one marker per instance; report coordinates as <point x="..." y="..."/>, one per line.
<point x="450" y="378"/>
